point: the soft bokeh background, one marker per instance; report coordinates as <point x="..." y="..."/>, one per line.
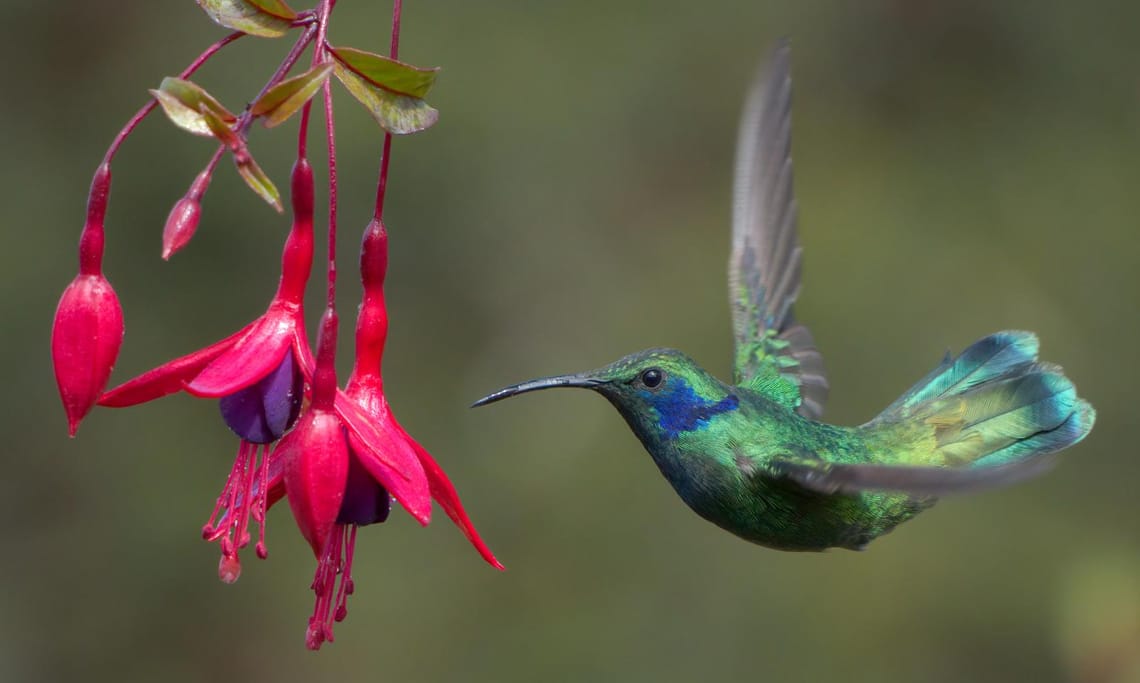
<point x="960" y="168"/>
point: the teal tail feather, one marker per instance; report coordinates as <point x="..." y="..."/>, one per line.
<point x="992" y="406"/>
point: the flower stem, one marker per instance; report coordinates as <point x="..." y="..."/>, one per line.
<point x="150" y="106"/>
<point x="397" y="8"/>
<point x="331" y="132"/>
<point x="386" y="152"/>
<point x="303" y="130"/>
<point x="282" y="70"/>
<point x="325" y="12"/>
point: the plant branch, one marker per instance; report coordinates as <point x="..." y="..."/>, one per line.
<point x="150" y="106"/>
<point x="386" y="151"/>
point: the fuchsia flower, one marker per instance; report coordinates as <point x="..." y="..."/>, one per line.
<point x="366" y="384"/>
<point x="341" y="458"/>
<point x="348" y="454"/>
<point x="337" y="470"/>
<point x="259" y="374"/>
<point x="88" y="327"/>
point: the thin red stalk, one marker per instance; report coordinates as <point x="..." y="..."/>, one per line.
<point x="245" y="119"/>
<point x="330" y="130"/>
<point x="149" y="106"/>
<point x="324" y="12"/>
<point x="282" y="70"/>
<point x="397" y="8"/>
<point x="382" y="184"/>
<point x="386" y="152"/>
<point x="213" y="163"/>
<point x="303" y="132"/>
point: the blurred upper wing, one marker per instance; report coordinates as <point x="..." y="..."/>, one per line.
<point x="774" y="355"/>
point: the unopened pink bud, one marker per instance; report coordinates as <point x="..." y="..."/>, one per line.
<point x="182" y="222"/>
<point x="181" y="225"/>
<point x="85" y="340"/>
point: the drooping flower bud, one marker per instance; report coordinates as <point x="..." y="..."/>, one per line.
<point x="85" y="341"/>
<point x="88" y="327"/>
<point x="316" y="468"/>
<point x="315" y="453"/>
<point x="182" y="222"/>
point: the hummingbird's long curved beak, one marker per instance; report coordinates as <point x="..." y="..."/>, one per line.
<point x="580" y="380"/>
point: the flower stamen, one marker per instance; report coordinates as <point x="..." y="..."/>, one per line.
<point x="239" y="501"/>
<point x="336" y="560"/>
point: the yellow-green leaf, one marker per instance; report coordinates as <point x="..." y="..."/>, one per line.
<point x="396" y="113"/>
<point x="220" y="129"/>
<point x="265" y="18"/>
<point x="260" y="183"/>
<point x="183" y="101"/>
<point x="274" y="7"/>
<point x="387" y="73"/>
<point x="282" y="100"/>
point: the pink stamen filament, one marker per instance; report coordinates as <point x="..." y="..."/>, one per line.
<point x="239" y="501"/>
<point x="335" y="560"/>
<point x="347" y="588"/>
<point x="262" y="501"/>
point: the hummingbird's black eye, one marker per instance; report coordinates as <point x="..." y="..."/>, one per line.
<point x="652" y="378"/>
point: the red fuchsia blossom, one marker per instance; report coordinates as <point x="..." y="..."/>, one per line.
<point x="337" y="470"/>
<point x="88" y="327"/>
<point x="259" y="375"/>
<point x="366" y="383"/>
<point x="347" y="457"/>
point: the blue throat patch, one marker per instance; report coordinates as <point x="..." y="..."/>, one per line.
<point x="681" y="410"/>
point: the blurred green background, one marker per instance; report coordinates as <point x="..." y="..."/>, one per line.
<point x="961" y="168"/>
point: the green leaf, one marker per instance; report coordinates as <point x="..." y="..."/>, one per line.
<point x="285" y="98"/>
<point x="250" y="172"/>
<point x="387" y="73"/>
<point x="260" y="183"/>
<point x="220" y="129"/>
<point x="397" y="114"/>
<point x="183" y="102"/>
<point x="274" y="7"/>
<point x="265" y="18"/>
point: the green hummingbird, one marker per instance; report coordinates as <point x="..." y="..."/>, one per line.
<point x="753" y="458"/>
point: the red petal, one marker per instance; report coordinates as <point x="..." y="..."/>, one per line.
<point x="445" y="494"/>
<point x="254" y="356"/>
<point x="316" y="471"/>
<point x="386" y="454"/>
<point x="168" y="378"/>
<point x="302" y="353"/>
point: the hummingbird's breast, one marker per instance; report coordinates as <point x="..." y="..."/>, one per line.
<point x="718" y="469"/>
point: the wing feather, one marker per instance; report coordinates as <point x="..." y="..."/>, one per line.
<point x="774" y="354"/>
<point x="829" y="478"/>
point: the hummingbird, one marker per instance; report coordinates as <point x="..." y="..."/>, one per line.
<point x="753" y="456"/>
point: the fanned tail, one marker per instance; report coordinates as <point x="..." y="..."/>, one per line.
<point x="994" y="405"/>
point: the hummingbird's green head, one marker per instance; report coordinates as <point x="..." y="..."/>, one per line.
<point x="660" y="392"/>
